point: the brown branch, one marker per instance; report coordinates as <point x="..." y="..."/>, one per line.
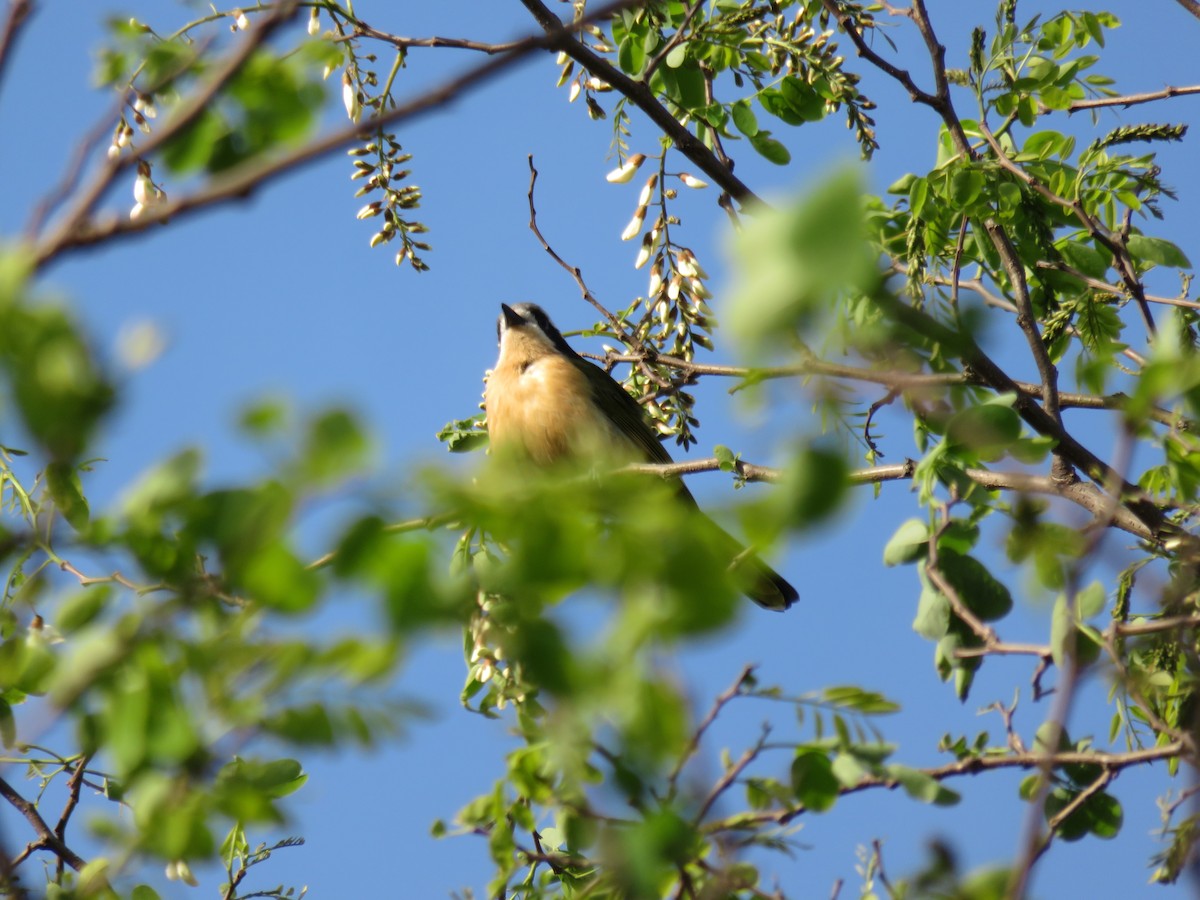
<point x="1037" y="418"/>
<point x="1154" y="626"/>
<point x="640" y="95"/>
<point x="242" y="181"/>
<point x="1112" y="288"/>
<point x="1191" y="6"/>
<point x="1111" y="241"/>
<point x="731" y="774"/>
<point x="47" y="839"/>
<point x="1131" y="99"/>
<point x="1081" y="798"/>
<point x="673" y="42"/>
<point x="971" y="765"/>
<point x="889" y="378"/>
<point x="846" y="23"/>
<point x="74" y="787"/>
<point x="940" y="101"/>
<point x="725" y="697"/>
<point x="189" y="111"/>
<point x="978" y="627"/>
<point x="18" y="11"/>
<point x="574" y="271"/>
<point x="362" y="29"/>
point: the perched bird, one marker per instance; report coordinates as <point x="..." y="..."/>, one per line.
<point x="547" y="403"/>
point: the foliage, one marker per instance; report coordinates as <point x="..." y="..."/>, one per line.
<point x="183" y="686"/>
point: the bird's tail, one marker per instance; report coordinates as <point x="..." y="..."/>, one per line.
<point x="760" y="582"/>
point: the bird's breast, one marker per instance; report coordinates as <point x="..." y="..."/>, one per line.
<point x="544" y="409"/>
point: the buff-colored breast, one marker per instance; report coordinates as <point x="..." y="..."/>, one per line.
<point x="543" y="409"/>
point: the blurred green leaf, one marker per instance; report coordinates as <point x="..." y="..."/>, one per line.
<point x="908" y="544"/>
<point x="813" y="781"/>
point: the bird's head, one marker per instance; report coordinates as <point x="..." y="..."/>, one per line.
<point x="526" y="332"/>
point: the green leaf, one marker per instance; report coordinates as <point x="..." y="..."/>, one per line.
<point x="986" y="597"/>
<point x="631" y="55"/>
<point x="1106" y="815"/>
<point x="334" y="446"/>
<point x="933" y="614"/>
<point x="81" y="608"/>
<point x="275" y="578"/>
<point x="987" y="430"/>
<point x="909" y="543"/>
<point x="677" y="55"/>
<point x="726" y="459"/>
<point x="62" y="480"/>
<point x="8" y="724"/>
<point x="770" y="149"/>
<point x="965" y="187"/>
<point x="853" y="697"/>
<point x="918" y="194"/>
<point x="1157" y="250"/>
<point x="743" y="118"/>
<point x="922" y="787"/>
<point x="793" y="262"/>
<point x="813" y="781"/>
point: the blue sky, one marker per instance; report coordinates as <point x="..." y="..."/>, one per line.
<point x="281" y="296"/>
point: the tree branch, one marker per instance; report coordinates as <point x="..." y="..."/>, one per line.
<point x="46" y="836"/>
<point x="18" y="12"/>
<point x="1132" y="99"/>
<point x="643" y="98"/>
<point x="188" y="112"/>
<point x="242" y="181"/>
<point x="970" y="765"/>
<point x="1191" y="6"/>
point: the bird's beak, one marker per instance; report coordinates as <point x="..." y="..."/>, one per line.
<point x="511" y="318"/>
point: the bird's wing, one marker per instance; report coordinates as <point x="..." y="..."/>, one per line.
<point x="625" y="412"/>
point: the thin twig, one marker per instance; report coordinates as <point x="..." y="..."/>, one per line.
<point x="970" y="765"/>
<point x="574" y="271"/>
<point x="694" y="744"/>
<point x="1131" y="99"/>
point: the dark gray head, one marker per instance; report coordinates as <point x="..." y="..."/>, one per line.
<point x="530" y="315"/>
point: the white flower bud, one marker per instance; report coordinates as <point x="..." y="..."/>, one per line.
<point x="240" y="20"/>
<point x="178" y="870"/>
<point x="137" y="210"/>
<point x="314" y="23"/>
<point x="327" y="72"/>
<point x="350" y="97"/>
<point x="598" y="85"/>
<point x="643" y="256"/>
<point x="142" y="124"/>
<point x="625" y="172"/>
<point x="647" y="190"/>
<point x="655" y="279"/>
<point x="692" y="181"/>
<point x="143" y="190"/>
<point x="561" y="58"/>
<point x="634" y="228"/>
<point x="378" y="238"/>
<point x="123" y="136"/>
<point x="114" y="150"/>
<point x="673" y="287"/>
<point x="683" y="264"/>
<point x="374" y="208"/>
<point x="697" y="289"/>
<point x="573" y="93"/>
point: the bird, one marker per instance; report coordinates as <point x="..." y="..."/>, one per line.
<point x="546" y="403"/>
